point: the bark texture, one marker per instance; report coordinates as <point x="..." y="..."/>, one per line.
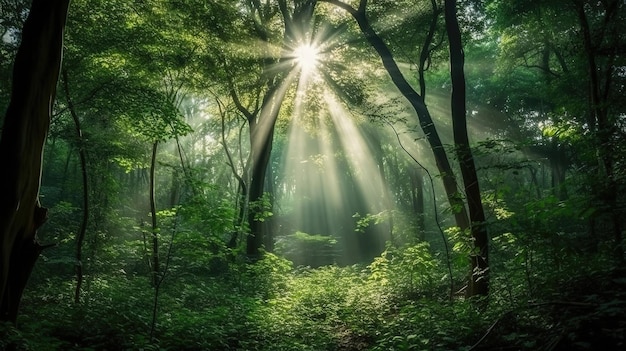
<point x="35" y="76"/>
<point x="479" y="282"/>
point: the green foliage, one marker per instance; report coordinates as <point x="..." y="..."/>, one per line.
<point x="368" y="220"/>
<point x="409" y="272"/>
<point x="208" y="210"/>
<point x="11" y="338"/>
<point x="394" y="304"/>
<point x="307" y="249"/>
<point x="265" y="278"/>
<point x="308" y="313"/>
<point x="422" y="325"/>
<point x="261" y="208"/>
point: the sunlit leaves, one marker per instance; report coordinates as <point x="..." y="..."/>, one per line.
<point x="407" y="271"/>
<point x="158" y="119"/>
<point x="208" y="212"/>
<point x="109" y="64"/>
<point x="363" y="222"/>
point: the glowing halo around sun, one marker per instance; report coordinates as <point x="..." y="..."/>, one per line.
<point x="306" y="57"/>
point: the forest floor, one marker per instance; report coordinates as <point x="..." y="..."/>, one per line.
<point x="588" y="313"/>
<point x="330" y="308"/>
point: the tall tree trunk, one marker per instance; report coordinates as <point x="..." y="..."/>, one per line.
<point x="241" y="203"/>
<point x="261" y="125"/>
<point x="261" y="139"/>
<point x="82" y="154"/>
<point x="269" y="223"/>
<point x="558" y="165"/>
<point x="155" y="229"/>
<point x="416" y="179"/>
<point x="479" y="282"/>
<point x="428" y="47"/>
<point x="35" y="76"/>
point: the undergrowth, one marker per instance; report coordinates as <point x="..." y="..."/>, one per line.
<point x="399" y="302"/>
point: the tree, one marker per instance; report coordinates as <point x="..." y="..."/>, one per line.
<point x="418" y="104"/>
<point x="82" y="153"/>
<point x="263" y="113"/>
<point x="475" y="223"/>
<point x="580" y="43"/>
<point x="10" y="23"/>
<point x="479" y="282"/>
<point x="599" y="33"/>
<point x="26" y="124"/>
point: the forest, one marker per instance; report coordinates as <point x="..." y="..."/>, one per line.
<point x="340" y="175"/>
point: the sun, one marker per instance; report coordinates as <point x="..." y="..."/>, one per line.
<point x="306" y="57"/>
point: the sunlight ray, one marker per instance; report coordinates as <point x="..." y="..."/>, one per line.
<point x="359" y="154"/>
<point x="266" y="121"/>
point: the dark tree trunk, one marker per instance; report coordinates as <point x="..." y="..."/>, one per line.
<point x="558" y="165"/>
<point x="26" y="124"/>
<point x="269" y="223"/>
<point x="416" y="178"/>
<point x="155" y="228"/>
<point x="242" y="188"/>
<point x="479" y="282"/>
<point x="261" y="123"/>
<point x="428" y="47"/>
<point x="82" y="154"/>
<point x="261" y="140"/>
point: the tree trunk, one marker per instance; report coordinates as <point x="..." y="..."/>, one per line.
<point x="35" y="76"/>
<point x="416" y="179"/>
<point x="261" y="123"/>
<point x="427" y="48"/>
<point x="261" y="140"/>
<point x="155" y="229"/>
<point x="558" y="165"/>
<point x="80" y="238"/>
<point x="241" y="203"/>
<point x="269" y="223"/>
<point x="479" y="282"/>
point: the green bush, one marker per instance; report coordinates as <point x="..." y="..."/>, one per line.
<point x="409" y="272"/>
